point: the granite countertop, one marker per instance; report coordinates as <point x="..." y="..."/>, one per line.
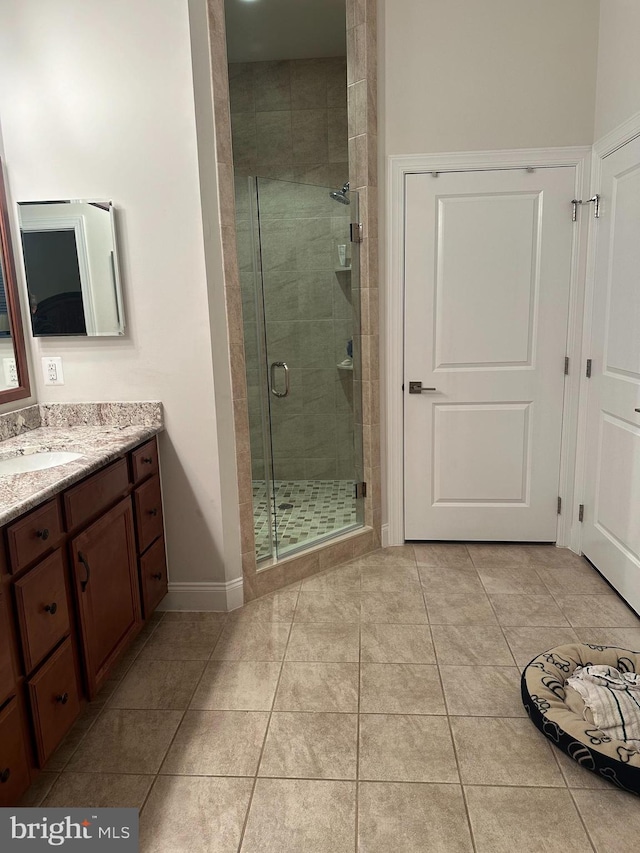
<point x="100" y="432"/>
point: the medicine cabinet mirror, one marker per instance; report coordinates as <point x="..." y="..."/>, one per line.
<point x="71" y="268"/>
<point x="14" y="378"/>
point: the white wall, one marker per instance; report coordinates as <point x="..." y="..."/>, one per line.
<point x="462" y="75"/>
<point x="97" y="101"/>
<point x="618" y="89"/>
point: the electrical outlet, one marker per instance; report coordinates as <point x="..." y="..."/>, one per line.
<point x="10" y="372"/>
<point x="52" y="371"/>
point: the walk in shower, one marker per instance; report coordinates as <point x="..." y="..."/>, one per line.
<point x="300" y="288"/>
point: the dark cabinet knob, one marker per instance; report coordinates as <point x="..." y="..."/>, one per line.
<point x="153" y="512"/>
<point x="157" y="576"/>
<point x="51" y="608"/>
<point x="4" y="776"/>
<point x="147" y="460"/>
<point x="43" y="534"/>
<point x="62" y="698"/>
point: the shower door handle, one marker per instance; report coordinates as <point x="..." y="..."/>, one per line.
<point x="285" y="367"/>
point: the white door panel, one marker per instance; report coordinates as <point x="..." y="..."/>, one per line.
<point x="481" y="453"/>
<point x="611" y="534"/>
<point x="487" y="274"/>
<point x="485" y="255"/>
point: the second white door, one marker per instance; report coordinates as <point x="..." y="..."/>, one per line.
<point x="487" y="279"/>
<point x="611" y="538"/>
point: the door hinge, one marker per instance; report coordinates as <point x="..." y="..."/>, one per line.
<point x="581" y="512"/>
<point x="594" y="200"/>
<point x="559" y="506"/>
<point x="566" y="365"/>
<point x="588" y="370"/>
<point x="357" y="232"/>
<point x="361" y="490"/>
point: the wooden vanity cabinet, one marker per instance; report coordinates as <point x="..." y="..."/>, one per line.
<point x="107" y="590"/>
<point x="81" y="573"/>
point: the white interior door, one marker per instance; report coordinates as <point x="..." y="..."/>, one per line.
<point x="611" y="534"/>
<point x="487" y="278"/>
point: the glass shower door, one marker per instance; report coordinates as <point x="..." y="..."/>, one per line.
<point x="303" y="366"/>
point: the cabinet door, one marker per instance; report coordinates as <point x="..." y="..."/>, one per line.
<point x="43" y="615"/>
<point x="105" y="576"/>
<point x="55" y="702"/>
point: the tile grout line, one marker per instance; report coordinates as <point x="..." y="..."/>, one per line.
<point x="101" y="710"/>
<point x="500" y="625"/>
<point x="268" y="726"/>
<point x="157" y="774"/>
<point x="338" y="779"/>
<point x="582" y="821"/>
<point x="448" y="719"/>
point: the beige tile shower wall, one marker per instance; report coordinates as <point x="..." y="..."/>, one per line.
<point x="309" y="318"/>
<point x="233" y="296"/>
<point x="289" y="122"/>
<point x="363" y="174"/>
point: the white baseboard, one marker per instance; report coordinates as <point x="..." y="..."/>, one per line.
<point x="235" y="594"/>
<point x="384" y="536"/>
<point x="204" y="596"/>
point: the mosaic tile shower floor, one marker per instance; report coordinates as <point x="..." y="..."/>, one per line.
<point x="305" y="509"/>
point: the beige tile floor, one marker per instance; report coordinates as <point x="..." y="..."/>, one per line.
<point x="374" y="708"/>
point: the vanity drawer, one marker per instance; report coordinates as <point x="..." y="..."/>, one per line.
<point x="54" y="700"/>
<point x="14" y="764"/>
<point x="34" y="535"/>
<point x="88" y="499"/>
<point x="148" y="502"/>
<point x="43" y="613"/>
<point x="7" y="676"/>
<point x="153" y="573"/>
<point x="144" y="461"/>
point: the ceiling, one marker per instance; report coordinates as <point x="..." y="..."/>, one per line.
<point x="285" y="29"/>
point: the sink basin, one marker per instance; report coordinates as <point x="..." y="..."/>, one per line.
<point x="36" y="461"/>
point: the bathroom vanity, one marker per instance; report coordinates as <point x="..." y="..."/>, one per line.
<point x="82" y="567"/>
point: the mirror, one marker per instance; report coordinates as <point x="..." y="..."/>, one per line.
<point x="71" y="267"/>
<point x="14" y="378"/>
